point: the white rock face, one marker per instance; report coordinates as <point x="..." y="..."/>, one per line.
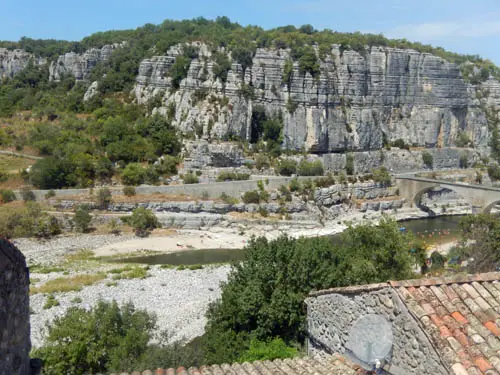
<point x="12" y="62"/>
<point x="79" y="65"/>
<point x="356" y="100"/>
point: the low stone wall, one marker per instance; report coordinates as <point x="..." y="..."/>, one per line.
<point x="330" y="318"/>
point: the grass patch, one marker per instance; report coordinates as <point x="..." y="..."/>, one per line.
<point x="45" y="269"/>
<point x="128" y="273"/>
<point x="76" y="300"/>
<point x="50" y="302"/>
<point x="12" y="164"/>
<point x="68" y="284"/>
<point x="81" y="256"/>
<point x="111" y="284"/>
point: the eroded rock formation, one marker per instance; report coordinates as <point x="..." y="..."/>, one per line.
<point x="358" y="102"/>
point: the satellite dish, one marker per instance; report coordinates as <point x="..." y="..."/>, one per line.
<point x="370" y="342"/>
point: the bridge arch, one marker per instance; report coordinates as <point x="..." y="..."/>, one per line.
<point x="489" y="206"/>
<point x="417" y="200"/>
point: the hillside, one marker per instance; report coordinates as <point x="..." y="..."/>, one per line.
<point x="287" y="89"/>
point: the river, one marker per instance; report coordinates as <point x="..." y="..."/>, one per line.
<point x="434" y="230"/>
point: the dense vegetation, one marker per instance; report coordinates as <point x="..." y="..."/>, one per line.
<point x="263" y="297"/>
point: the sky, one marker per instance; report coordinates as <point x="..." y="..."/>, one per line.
<point x="463" y="26"/>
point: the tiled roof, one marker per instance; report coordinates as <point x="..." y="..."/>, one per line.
<point x="296" y="366"/>
<point x="459" y="314"/>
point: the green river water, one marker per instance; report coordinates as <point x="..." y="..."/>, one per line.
<point x="421" y="227"/>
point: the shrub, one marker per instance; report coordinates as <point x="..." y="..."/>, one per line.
<point x="252" y="196"/>
<point x="263" y="211"/>
<point x="232" y="176"/>
<point x="382" y="176"/>
<point x="227" y="199"/>
<point x="294" y="185"/>
<point x="7" y="196"/>
<point x="27" y="195"/>
<point x="190" y="178"/>
<point x="50" y="302"/>
<point x="325" y="182"/>
<point x="268" y="351"/>
<point x="310" y="168"/>
<point x="287" y="167"/>
<point x="142" y="221"/>
<point x="82" y="219"/>
<point x="50" y="194"/>
<point x="264" y="295"/>
<point x="399" y="143"/>
<point x="134" y="174"/>
<point x="104" y="198"/>
<point x="464" y="161"/>
<point x="167" y="166"/>
<point x="349" y="164"/>
<point x="262" y="162"/>
<point x="494" y="172"/>
<point x="118" y="334"/>
<point x="129" y="191"/>
<point x="463" y="139"/>
<point x="427" y="159"/>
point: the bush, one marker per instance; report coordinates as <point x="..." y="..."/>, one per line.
<point x="82" y="219"/>
<point x="494" y="172"/>
<point x="263" y="212"/>
<point x="310" y="168"/>
<point x="27" y="195"/>
<point x="167" y="166"/>
<point x="262" y="162"/>
<point x="142" y="221"/>
<point x="294" y="185"/>
<point x="268" y="351"/>
<point x="50" y="194"/>
<point x="7" y="196"/>
<point x="252" y="196"/>
<point x="325" y="182"/>
<point x="399" y="143"/>
<point x="119" y="335"/>
<point x="129" y="191"/>
<point x="263" y="298"/>
<point x="427" y="159"/>
<point x="464" y="161"/>
<point x="463" y="139"/>
<point x="27" y="221"/>
<point x="287" y="167"/>
<point x="349" y="164"/>
<point x="53" y="173"/>
<point x="104" y="198"/>
<point x="134" y="174"/>
<point x="232" y="176"/>
<point x="227" y="199"/>
<point x="190" y="178"/>
<point x="382" y="176"/>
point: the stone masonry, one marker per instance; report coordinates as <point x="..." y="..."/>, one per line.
<point x="331" y="316"/>
<point x="15" y="342"/>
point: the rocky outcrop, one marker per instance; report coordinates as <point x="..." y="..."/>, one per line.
<point x="200" y="154"/>
<point x="13" y="61"/>
<point x="357" y="102"/>
<point x="79" y="65"/>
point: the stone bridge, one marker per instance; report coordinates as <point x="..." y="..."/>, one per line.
<point x="482" y="198"/>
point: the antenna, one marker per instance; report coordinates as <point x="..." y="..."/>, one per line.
<point x="370" y="342"/>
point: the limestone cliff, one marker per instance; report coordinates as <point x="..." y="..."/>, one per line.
<point x="12" y="62"/>
<point x="79" y="65"/>
<point x="356" y="102"/>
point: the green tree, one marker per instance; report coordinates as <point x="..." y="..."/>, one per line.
<point x="382" y="176"/>
<point x="133" y="174"/>
<point x="106" y="338"/>
<point x="480" y="242"/>
<point x="179" y="70"/>
<point x="104" y="198"/>
<point x="52" y="173"/>
<point x="82" y="218"/>
<point x="428" y="159"/>
<point x="349" y="167"/>
<point x="310" y="168"/>
<point x="264" y="294"/>
<point x="142" y="221"/>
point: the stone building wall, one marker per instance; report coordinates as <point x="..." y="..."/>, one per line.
<point x="15" y="342"/>
<point x="331" y="316"/>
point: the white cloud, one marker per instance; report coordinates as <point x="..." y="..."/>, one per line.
<point x="440" y="30"/>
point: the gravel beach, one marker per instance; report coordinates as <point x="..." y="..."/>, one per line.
<point x="178" y="298"/>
